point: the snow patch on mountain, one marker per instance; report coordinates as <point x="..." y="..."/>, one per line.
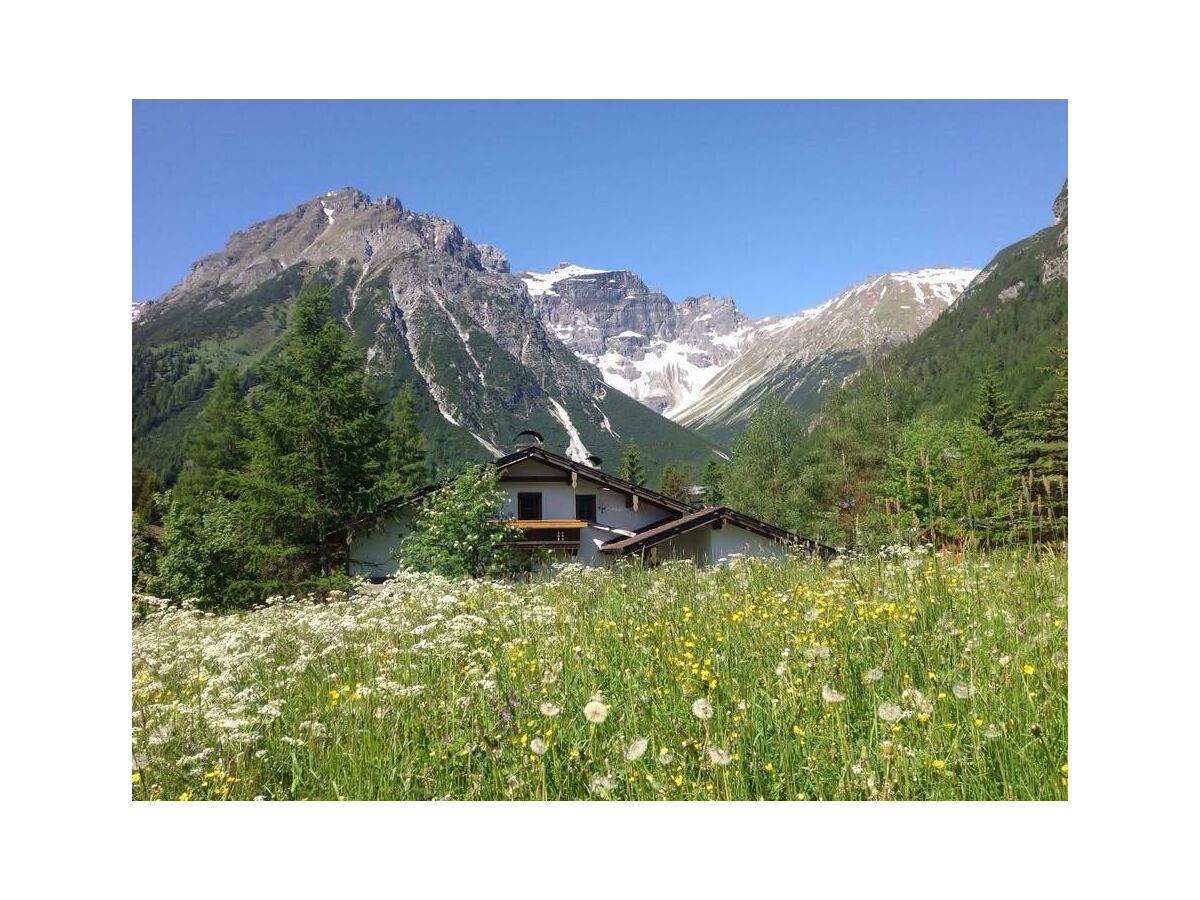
<point x="575" y="449"/>
<point x="539" y="283"/>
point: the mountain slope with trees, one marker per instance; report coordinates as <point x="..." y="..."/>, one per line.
<point x="958" y="436"/>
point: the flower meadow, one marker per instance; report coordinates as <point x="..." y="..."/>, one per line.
<point x="908" y="675"/>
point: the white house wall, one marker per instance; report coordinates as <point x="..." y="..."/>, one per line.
<point x="734" y="539"/>
<point x="371" y="554"/>
<point x="706" y="545"/>
<point x="558" y="502"/>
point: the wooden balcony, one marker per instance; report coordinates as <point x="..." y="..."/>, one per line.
<point x="551" y="534"/>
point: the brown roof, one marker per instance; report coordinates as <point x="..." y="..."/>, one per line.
<point x="567" y="465"/>
<point x="661" y="531"/>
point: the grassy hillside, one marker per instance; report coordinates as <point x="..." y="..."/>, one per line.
<point x="905" y="676"/>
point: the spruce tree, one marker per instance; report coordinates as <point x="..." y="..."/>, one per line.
<point x="677" y="483"/>
<point x="712" y="481"/>
<point x="318" y="453"/>
<point x="406" y="445"/>
<point x="993" y="412"/>
<point x="145" y="486"/>
<point x="217" y="450"/>
<point x="632" y="469"/>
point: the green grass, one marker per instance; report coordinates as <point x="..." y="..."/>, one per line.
<point x="430" y="688"/>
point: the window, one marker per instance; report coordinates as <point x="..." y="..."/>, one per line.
<point x="529" y="505"/>
<point x="585" y="507"/>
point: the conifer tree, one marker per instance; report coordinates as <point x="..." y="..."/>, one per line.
<point x="145" y="486"/>
<point x="406" y="445"/>
<point x="217" y="450"/>
<point x="318" y="453"/>
<point x="993" y="412"/>
<point x="712" y="481"/>
<point x="677" y="483"/>
<point x="632" y="469"/>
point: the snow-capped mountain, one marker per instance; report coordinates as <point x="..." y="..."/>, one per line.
<point x="797" y="357"/>
<point x="658" y="352"/>
<point x="705" y="364"/>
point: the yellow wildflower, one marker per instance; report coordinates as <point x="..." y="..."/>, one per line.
<point x="938" y="763"/>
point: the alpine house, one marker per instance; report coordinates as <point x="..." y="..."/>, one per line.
<point x="577" y="511"/>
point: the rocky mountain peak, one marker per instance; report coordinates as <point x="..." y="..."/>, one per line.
<point x="1059" y="208"/>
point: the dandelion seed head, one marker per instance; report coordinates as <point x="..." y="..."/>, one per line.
<point x="702" y="709"/>
<point x="963" y="691"/>
<point x="636" y="749"/>
<point x="873" y="675"/>
<point x="595" y="712"/>
<point x="601" y="784"/>
<point x="549" y="710"/>
<point x="718" y="756"/>
<point x="889" y="711"/>
<point x="537" y="747"/>
<point x="829" y="695"/>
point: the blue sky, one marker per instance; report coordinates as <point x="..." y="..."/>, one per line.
<point x="777" y="204"/>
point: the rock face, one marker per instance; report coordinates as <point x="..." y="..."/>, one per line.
<point x="492" y="258"/>
<point x="658" y="352"/>
<point x="1056" y="267"/>
<point x="1059" y="207"/>
<point x="428" y="307"/>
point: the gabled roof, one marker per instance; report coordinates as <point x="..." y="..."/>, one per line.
<point x="662" y="531"/>
<point x="582" y="470"/>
